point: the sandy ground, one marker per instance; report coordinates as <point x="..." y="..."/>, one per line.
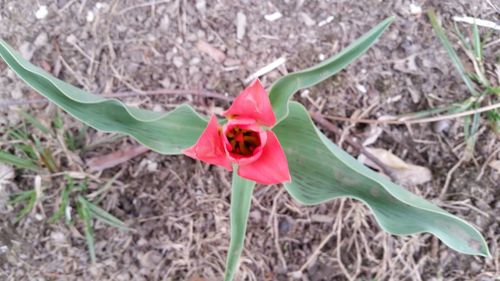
<point x="178" y="207"/>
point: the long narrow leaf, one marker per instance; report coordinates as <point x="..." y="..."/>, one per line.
<point x="84" y="213"/>
<point x="478" y="48"/>
<point x="33" y="121"/>
<point x="285" y="87"/>
<point x="321" y="171"/>
<point x="63" y="205"/>
<point x="21" y="196"/>
<point x="241" y="199"/>
<point x="451" y="52"/>
<point x="104" y="216"/>
<point x="18" y="162"/>
<point x="28" y="208"/>
<point x="167" y="133"/>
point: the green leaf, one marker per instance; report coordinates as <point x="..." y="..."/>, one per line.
<point x="167" y="133"/>
<point x="283" y="89"/>
<point x="63" y="205"/>
<point x="451" y="52"/>
<point x="84" y="213"/>
<point x="321" y="171"/>
<point x="104" y="216"/>
<point x="27" y="197"/>
<point x="33" y="121"/>
<point x="241" y="199"/>
<point x="478" y="48"/>
<point x="18" y="162"/>
<point x="58" y="122"/>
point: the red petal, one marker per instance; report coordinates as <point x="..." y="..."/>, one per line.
<point x="209" y="147"/>
<point x="271" y="167"/>
<point x="253" y="103"/>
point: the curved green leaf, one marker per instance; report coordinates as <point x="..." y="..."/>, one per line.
<point x="337" y="174"/>
<point x="167" y="133"/>
<point x="282" y="90"/>
<point x="241" y="199"/>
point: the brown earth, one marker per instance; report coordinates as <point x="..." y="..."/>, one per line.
<point x="177" y="207"/>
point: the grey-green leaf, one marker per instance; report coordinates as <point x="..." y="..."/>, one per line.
<point x="241" y="199"/>
<point x="282" y="90"/>
<point x="337" y="174"/>
<point x="167" y="133"/>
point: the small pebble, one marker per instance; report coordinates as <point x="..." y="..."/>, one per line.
<point x="178" y="61"/>
<point x="90" y="16"/>
<point x="201" y="6"/>
<point x="41" y="40"/>
<point x="308" y="21"/>
<point x="304" y="94"/>
<point x="27" y="49"/>
<point x="17" y="92"/>
<point x="101" y="6"/>
<point x="71" y="39"/>
<point x="274" y="16"/>
<point x="164" y="23"/>
<point x="325" y="22"/>
<point x="3" y="249"/>
<point x="42" y="12"/>
<point x="441" y="126"/>
<point x="241" y="24"/>
<point x="194" y="60"/>
<point x="361" y="88"/>
<point x="415" y="9"/>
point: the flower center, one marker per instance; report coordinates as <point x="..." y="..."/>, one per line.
<point x="243" y="142"/>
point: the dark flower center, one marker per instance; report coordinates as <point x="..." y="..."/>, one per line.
<point x="243" y="142"/>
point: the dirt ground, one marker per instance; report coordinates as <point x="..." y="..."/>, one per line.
<point x="177" y="207"/>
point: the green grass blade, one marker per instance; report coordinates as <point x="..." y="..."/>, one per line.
<point x="451" y="52"/>
<point x="33" y="121"/>
<point x="478" y="48"/>
<point x="283" y="89"/>
<point x="84" y="213"/>
<point x="18" y="134"/>
<point x="241" y="199"/>
<point x="27" y="149"/>
<point x="493" y="90"/>
<point x="104" y="216"/>
<point x="27" y="197"/>
<point x="461" y="37"/>
<point x="58" y="122"/>
<point x="321" y="171"/>
<point x="18" y="162"/>
<point x="20" y="196"/>
<point x="167" y="133"/>
<point x="64" y="201"/>
<point x="471" y="136"/>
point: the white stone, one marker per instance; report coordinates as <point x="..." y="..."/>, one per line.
<point x="90" y="16"/>
<point x="241" y="24"/>
<point x="415" y="9"/>
<point x="361" y="88"/>
<point x="42" y="12"/>
<point x="325" y="22"/>
<point x="274" y="16"/>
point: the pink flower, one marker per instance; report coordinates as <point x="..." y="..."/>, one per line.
<point x="245" y="140"/>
